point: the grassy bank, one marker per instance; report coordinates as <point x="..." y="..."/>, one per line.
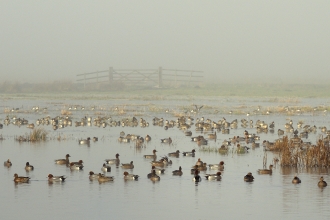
<point x="64" y="89"/>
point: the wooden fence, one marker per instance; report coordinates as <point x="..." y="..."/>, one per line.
<point x="154" y="77"/>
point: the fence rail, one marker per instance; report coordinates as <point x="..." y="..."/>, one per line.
<point x="156" y="77"/>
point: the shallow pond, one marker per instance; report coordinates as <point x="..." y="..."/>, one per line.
<point x="176" y="197"/>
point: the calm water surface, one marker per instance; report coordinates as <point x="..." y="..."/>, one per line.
<point x="173" y="197"/>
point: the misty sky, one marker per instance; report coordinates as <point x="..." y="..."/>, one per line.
<point x="240" y="41"/>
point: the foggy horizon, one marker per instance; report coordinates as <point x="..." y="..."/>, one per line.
<point x="231" y="42"/>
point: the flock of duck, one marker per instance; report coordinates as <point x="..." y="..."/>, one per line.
<point x="183" y="123"/>
<point x="157" y="169"/>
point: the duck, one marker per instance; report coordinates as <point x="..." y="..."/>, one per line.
<point x="63" y="161"/>
<point x="52" y="178"/>
<point x="154" y="177"/>
<point x="213" y="136"/>
<point x="322" y="183"/>
<point x="216" y="176"/>
<point x="93" y="176"/>
<point x="105" y="168"/>
<point x="84" y="141"/>
<point x="219" y="166"/>
<point x="266" y="171"/>
<point x="80" y="162"/>
<point x="21" y="179"/>
<point x="7" y="163"/>
<point x="242" y="149"/>
<point x="199" y="162"/>
<point x="248" y="177"/>
<point x="189" y="154"/>
<point x="95" y="139"/>
<point x="296" y="180"/>
<point x="197" y="177"/>
<point x="223" y="149"/>
<point x="177" y="172"/>
<point x="166" y="140"/>
<point x="127" y="165"/>
<point x="159" y="163"/>
<point x="166" y="161"/>
<point x="28" y="167"/>
<point x="194" y="169"/>
<point x="128" y="176"/>
<point x="203" y="167"/>
<point x="147" y="138"/>
<point x="153" y="156"/>
<point x="157" y="170"/>
<point x="113" y="161"/>
<point x="102" y="178"/>
<point x="174" y="154"/>
<point x="74" y="166"/>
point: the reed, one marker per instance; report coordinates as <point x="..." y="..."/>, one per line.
<point x="38" y="134"/>
<point x="295" y="154"/>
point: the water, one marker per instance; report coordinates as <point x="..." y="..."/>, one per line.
<point x="176" y="197"/>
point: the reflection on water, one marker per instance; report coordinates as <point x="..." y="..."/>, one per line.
<point x="171" y="197"/>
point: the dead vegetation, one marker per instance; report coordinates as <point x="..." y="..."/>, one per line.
<point x="302" y="155"/>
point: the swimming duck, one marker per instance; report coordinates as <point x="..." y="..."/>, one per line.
<point x="154" y="177"/>
<point x="157" y="170"/>
<point x="174" y="154"/>
<point x="242" y="149"/>
<point x="28" y="167"/>
<point x="322" y="183"/>
<point x="216" y="176"/>
<point x="74" y="166"/>
<point x="153" y="156"/>
<point x="105" y="168"/>
<point x="177" y="172"/>
<point x="166" y="140"/>
<point x="248" y="177"/>
<point x="52" y="178"/>
<point x="189" y="154"/>
<point x="84" y="141"/>
<point x="7" y="163"/>
<point x="194" y="169"/>
<point x="95" y="139"/>
<point x="159" y="163"/>
<point x="266" y="171"/>
<point x="199" y="162"/>
<point x="103" y="178"/>
<point x="93" y="176"/>
<point x="127" y="165"/>
<point x="213" y="136"/>
<point x="21" y="179"/>
<point x="296" y="180"/>
<point x="147" y="138"/>
<point x="166" y="161"/>
<point x="128" y="176"/>
<point x="113" y="161"/>
<point x="80" y="162"/>
<point x="219" y="166"/>
<point x="63" y="161"/>
<point x="197" y="177"/>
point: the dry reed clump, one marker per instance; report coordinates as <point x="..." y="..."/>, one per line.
<point x="293" y="154"/>
<point x="38" y="134"/>
<point x="65" y="112"/>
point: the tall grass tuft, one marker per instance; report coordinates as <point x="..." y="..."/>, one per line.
<point x="297" y="154"/>
<point x="38" y="134"/>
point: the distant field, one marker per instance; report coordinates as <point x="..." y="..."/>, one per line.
<point x="121" y="91"/>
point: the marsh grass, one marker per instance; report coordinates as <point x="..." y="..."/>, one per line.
<point x="37" y="134"/>
<point x="313" y="156"/>
<point x="65" y="112"/>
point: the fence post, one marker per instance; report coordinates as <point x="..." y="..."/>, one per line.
<point x="110" y="74"/>
<point x="160" y="78"/>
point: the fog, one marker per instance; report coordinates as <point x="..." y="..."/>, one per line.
<point x="231" y="41"/>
